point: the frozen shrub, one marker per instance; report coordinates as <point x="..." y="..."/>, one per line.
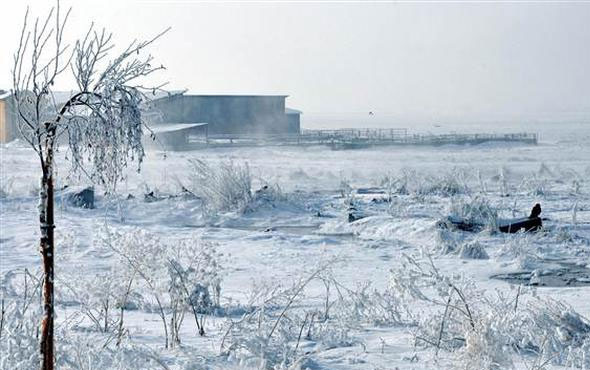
<point x="474" y="210"/>
<point x="447" y="241"/>
<point x="397" y="185"/>
<point x="269" y="334"/>
<point x="367" y="305"/>
<point x="226" y="186"/>
<point x="179" y="275"/>
<point x="534" y="185"/>
<point x="82" y="353"/>
<point x="18" y="335"/>
<point x="6" y="186"/>
<point x="473" y="250"/>
<point x="448" y="184"/>
<point x="484" y="330"/>
<point x="267" y="196"/>
<point x="520" y="248"/>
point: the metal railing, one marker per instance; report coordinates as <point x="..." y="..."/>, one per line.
<point x="357" y="138"/>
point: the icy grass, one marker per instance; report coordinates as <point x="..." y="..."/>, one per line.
<point x="484" y="330"/>
<point x="223" y="187"/>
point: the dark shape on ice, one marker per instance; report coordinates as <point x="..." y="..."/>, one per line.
<point x="514" y="225"/>
<point x="517" y="224"/>
<point x="83" y="198"/>
<point x="536" y="211"/>
<point x="354" y="214"/>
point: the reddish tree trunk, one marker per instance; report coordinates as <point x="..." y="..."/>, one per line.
<point x="47" y="252"/>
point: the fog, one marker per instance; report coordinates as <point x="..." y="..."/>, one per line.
<point x="405" y="62"/>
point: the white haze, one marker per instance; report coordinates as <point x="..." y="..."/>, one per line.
<point x="406" y="62"/>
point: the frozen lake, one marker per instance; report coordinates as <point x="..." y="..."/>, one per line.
<point x="280" y="238"/>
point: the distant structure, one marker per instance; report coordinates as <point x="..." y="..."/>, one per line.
<point x="229" y="114"/>
<point x="175" y="116"/>
<point x="8" y="129"/>
<point x="293" y="120"/>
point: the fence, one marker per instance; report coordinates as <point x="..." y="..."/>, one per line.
<point x="357" y="138"/>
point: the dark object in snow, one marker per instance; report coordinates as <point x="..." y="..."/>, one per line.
<point x="514" y="225"/>
<point x="370" y="191"/>
<point x="460" y="224"/>
<point x="152" y="197"/>
<point x="517" y="224"/>
<point x="354" y="214"/>
<point x="83" y="198"/>
<point x="554" y="274"/>
<point x="531" y="223"/>
<point x="536" y="211"/>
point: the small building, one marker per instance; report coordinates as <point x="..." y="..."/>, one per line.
<point x="293" y="120"/>
<point x="175" y="136"/>
<point x="229" y="114"/>
<point x="9" y="116"/>
<point x="222" y="114"/>
<point x="8" y="119"/>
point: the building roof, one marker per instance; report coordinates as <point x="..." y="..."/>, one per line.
<point x="168" y="94"/>
<point x="292" y="111"/>
<point x="165" y="94"/>
<point x="170" y="127"/>
<point x="4" y="94"/>
<point x="239" y="95"/>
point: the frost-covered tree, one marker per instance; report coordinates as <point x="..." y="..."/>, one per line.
<point x="102" y="118"/>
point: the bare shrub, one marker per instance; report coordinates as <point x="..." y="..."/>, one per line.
<point x="520" y="248"/>
<point x="367" y="305"/>
<point x="226" y="186"/>
<point x="485" y="331"/>
<point x="268" y="336"/>
<point x="411" y="182"/>
<point x="474" y="210"/>
<point x="450" y="183"/>
<point x="6" y="186"/>
<point x="180" y="275"/>
<point x="535" y="185"/>
<point x="473" y="250"/>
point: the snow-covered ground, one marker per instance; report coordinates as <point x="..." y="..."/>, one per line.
<point x="298" y="226"/>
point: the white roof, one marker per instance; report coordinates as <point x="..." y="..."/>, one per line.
<point x="292" y="111"/>
<point x="4" y="94"/>
<point x="170" y="127"/>
<point x="164" y="94"/>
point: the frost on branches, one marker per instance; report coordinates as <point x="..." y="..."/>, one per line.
<point x="101" y="118"/>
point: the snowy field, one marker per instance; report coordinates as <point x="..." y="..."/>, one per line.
<point x="284" y="280"/>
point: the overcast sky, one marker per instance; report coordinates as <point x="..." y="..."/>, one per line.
<point x="409" y="60"/>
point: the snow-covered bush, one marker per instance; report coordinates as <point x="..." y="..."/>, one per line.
<point x="474" y="210"/>
<point x="6" y="186"/>
<point x="179" y="275"/>
<point x="483" y="330"/>
<point x="447" y="241"/>
<point x="78" y="352"/>
<point x="367" y="305"/>
<point x="194" y="281"/>
<point x="397" y="185"/>
<point x="226" y="186"/>
<point x="448" y="184"/>
<point x="267" y="196"/>
<point x="535" y="185"/>
<point x="19" y="334"/>
<point x="473" y="250"/>
<point x="269" y="334"/>
<point x="521" y="249"/>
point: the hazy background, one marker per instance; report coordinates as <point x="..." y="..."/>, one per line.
<point x="406" y="62"/>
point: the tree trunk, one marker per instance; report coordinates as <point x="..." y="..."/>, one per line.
<point x="47" y="252"/>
